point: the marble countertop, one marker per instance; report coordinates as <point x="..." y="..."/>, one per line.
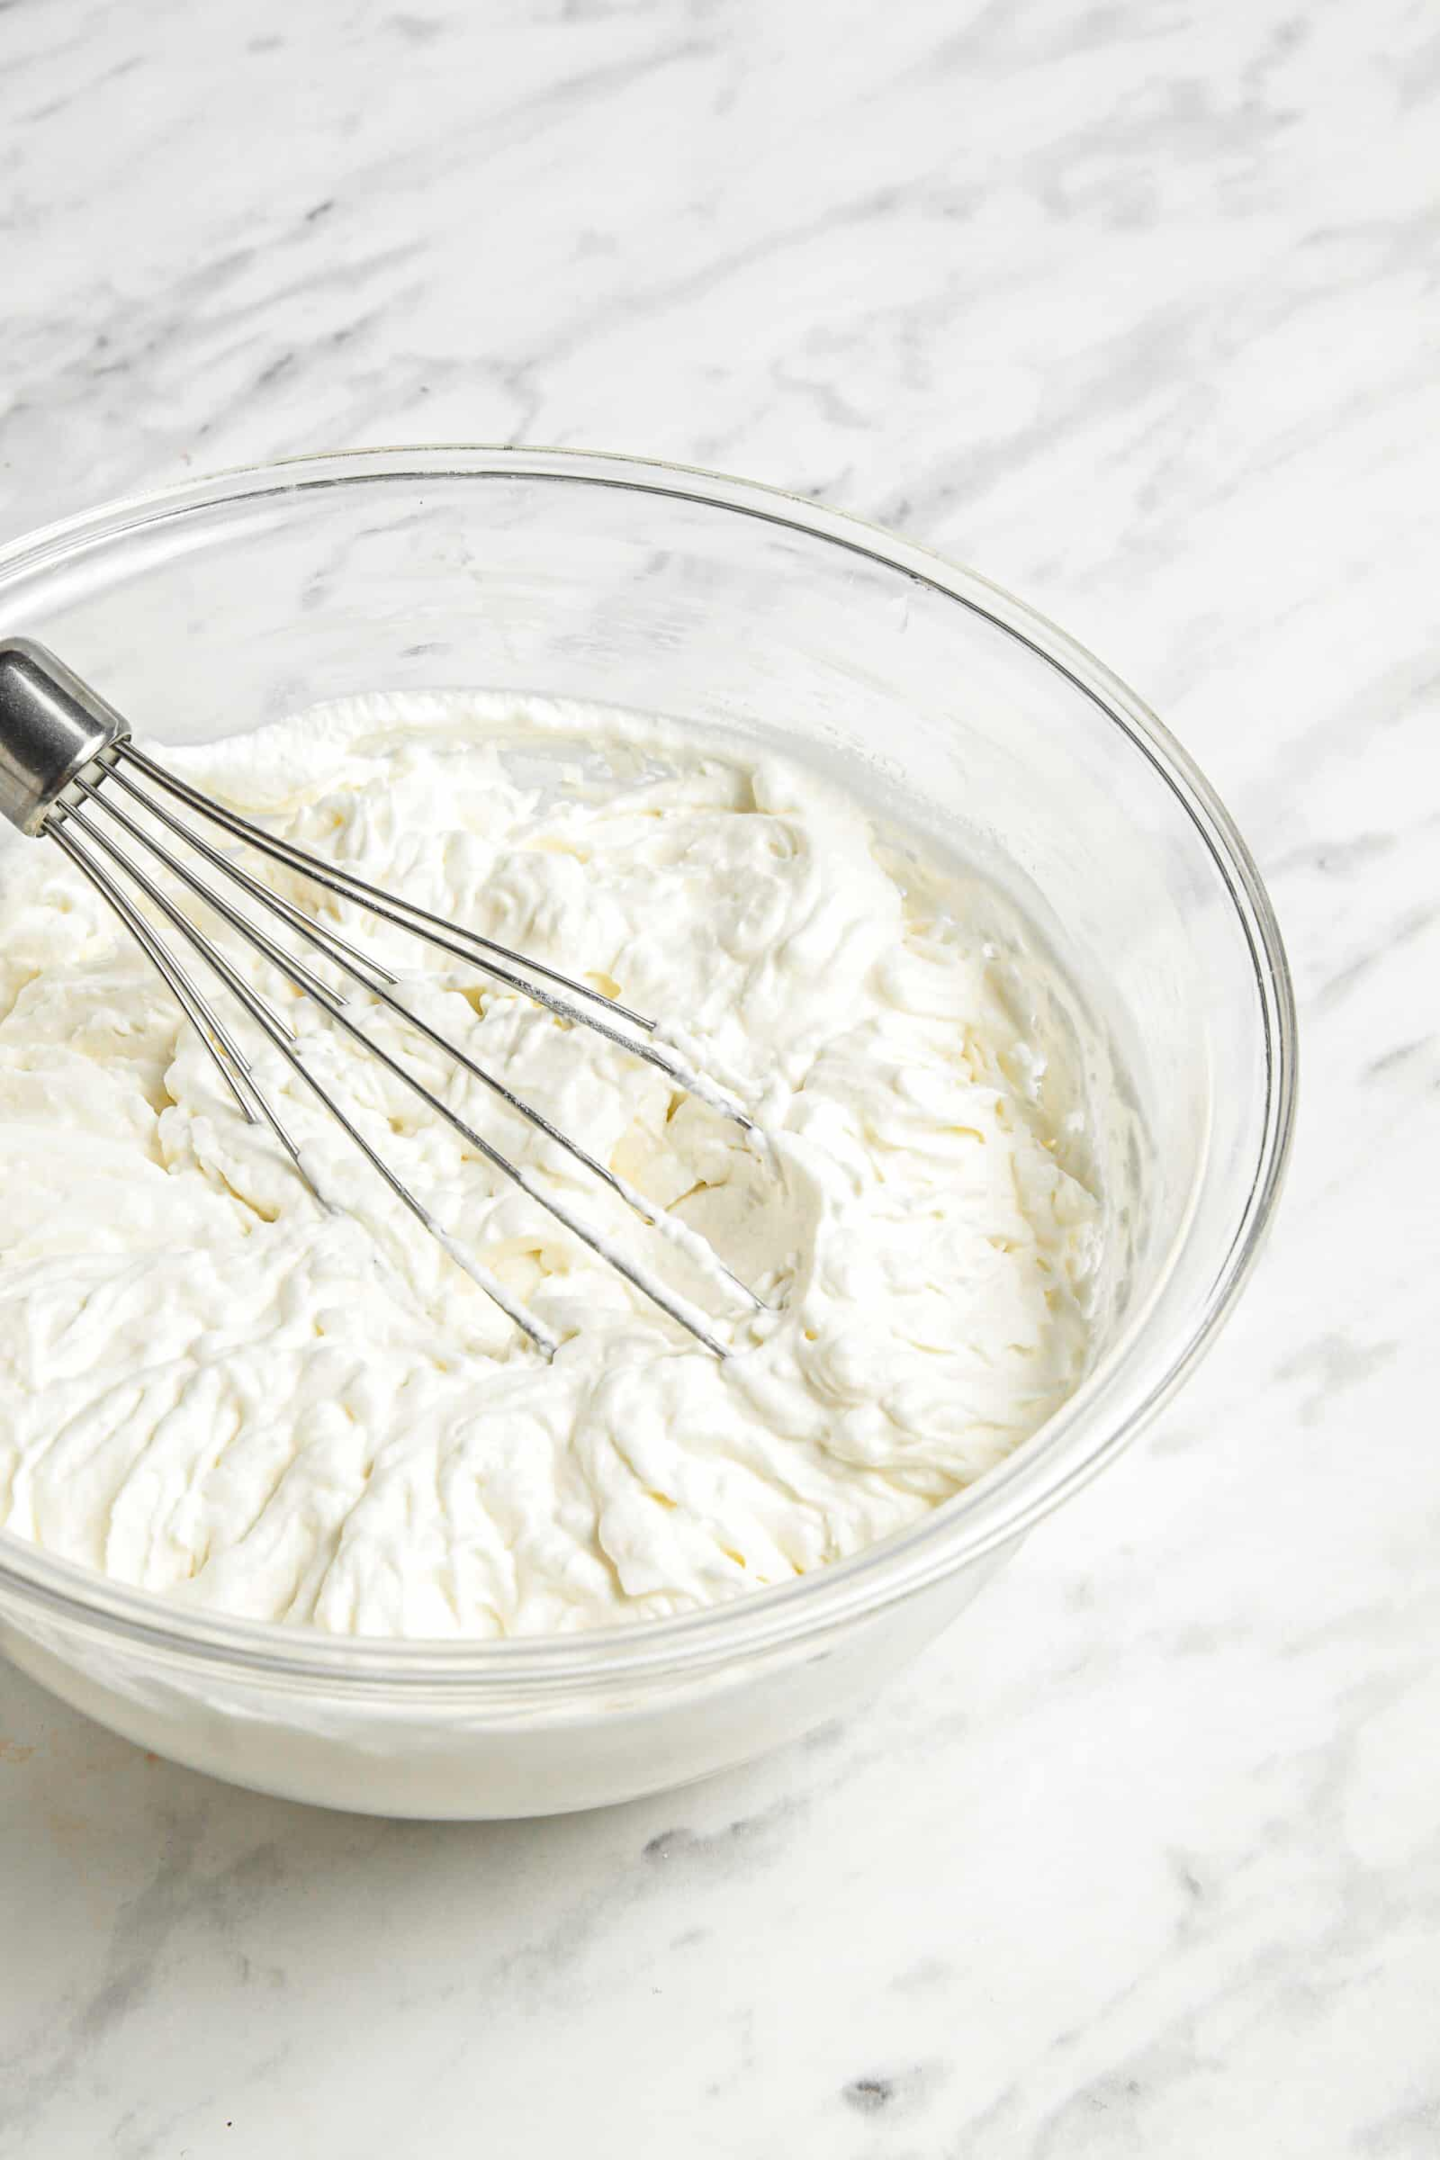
<point x="1135" y="307"/>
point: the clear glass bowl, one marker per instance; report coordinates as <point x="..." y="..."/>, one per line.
<point x="214" y="606"/>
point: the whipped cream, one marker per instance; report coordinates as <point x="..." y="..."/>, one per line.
<point x="219" y="1386"/>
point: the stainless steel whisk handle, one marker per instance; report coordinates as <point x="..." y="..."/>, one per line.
<point x="51" y="726"/>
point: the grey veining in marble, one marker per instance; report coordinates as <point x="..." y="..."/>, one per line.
<point x="1135" y="306"/>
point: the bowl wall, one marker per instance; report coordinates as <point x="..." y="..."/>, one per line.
<point x="957" y="713"/>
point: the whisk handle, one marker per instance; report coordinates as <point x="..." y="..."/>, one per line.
<point x="51" y="724"/>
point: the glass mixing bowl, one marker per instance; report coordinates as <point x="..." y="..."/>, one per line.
<point x="212" y="607"/>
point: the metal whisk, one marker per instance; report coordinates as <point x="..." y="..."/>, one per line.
<point x="69" y="772"/>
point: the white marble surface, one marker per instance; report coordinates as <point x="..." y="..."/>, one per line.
<point x="1135" y="306"/>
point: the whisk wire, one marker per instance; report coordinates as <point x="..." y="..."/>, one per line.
<point x="259" y="1007"/>
<point x="670" y="1302"/>
<point x="282" y="1038"/>
<point x="68" y="768"/>
<point x="229" y="1058"/>
<point x="394" y="907"/>
<point x="366" y="971"/>
<point x="363" y="965"/>
<point x="448" y="937"/>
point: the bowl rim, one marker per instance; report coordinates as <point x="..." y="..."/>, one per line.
<point x="1048" y="1469"/>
